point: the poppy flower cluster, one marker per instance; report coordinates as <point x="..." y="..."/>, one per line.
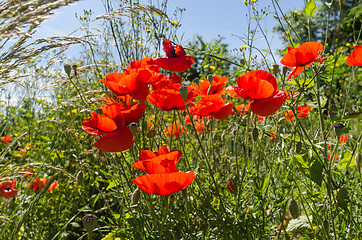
<point x="162" y="177"/>
<point x="262" y="88"/>
<point x="174" y="130"/>
<point x="7" y="189"/>
<point x="6" y="139"/>
<point x="301" y="57"/>
<point x="39" y="183"/>
<point x="301" y="111"/>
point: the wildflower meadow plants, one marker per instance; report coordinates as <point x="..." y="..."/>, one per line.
<point x="145" y="150"/>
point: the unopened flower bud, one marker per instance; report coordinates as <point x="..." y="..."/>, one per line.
<point x="151" y="134"/>
<point x="275" y="69"/>
<point x="184" y="194"/>
<point x="255" y="134"/>
<point x="133" y="126"/>
<point x="342" y="196"/>
<point x="99" y="110"/>
<point x="67" y="69"/>
<point x="285" y="70"/>
<point x="79" y="177"/>
<point x="338" y="128"/>
<point x="136" y="196"/>
<point x="74" y="66"/>
<point x="183" y="92"/>
<point x="89" y="222"/>
<point x="298" y="147"/>
<point x="210" y="78"/>
<point x="294" y="209"/>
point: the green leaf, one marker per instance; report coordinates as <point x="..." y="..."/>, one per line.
<point x="310" y="8"/>
<point x="112" y="185"/>
<point x="316" y="172"/>
<point x="300" y="161"/>
<point x="347" y="160"/>
<point x="298" y="224"/>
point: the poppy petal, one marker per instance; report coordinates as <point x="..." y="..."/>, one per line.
<point x="174" y="63"/>
<point x="133" y="112"/>
<point x="98" y="124"/>
<point x="118" y="141"/>
<point x="355" y="57"/>
<point x="165" y="184"/>
<point x="266" y="107"/>
<point x="224" y="112"/>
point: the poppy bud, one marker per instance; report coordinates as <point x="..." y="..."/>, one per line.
<point x="75" y="69"/>
<point x="79" y="177"/>
<point x="89" y="222"/>
<point x="285" y="70"/>
<point x="134" y="128"/>
<point x="294" y="209"/>
<point x="338" y="128"/>
<point x="183" y="92"/>
<point x="99" y="110"/>
<point x="298" y="147"/>
<point x="136" y="196"/>
<point x="210" y="78"/>
<point x="255" y="134"/>
<point x="67" y="69"/>
<point x="342" y="196"/>
<point x="275" y="69"/>
<point x="151" y="134"/>
<point x="184" y="194"/>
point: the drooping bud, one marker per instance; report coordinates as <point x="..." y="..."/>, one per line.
<point x="89" y="222"/>
<point x="183" y="92"/>
<point x="298" y="147"/>
<point x="133" y="126"/>
<point x="338" y="128"/>
<point x="294" y="209"/>
<point x="210" y="78"/>
<point x="275" y="69"/>
<point x="74" y="66"/>
<point x="285" y="70"/>
<point x="255" y="134"/>
<point x="79" y="177"/>
<point x="67" y="69"/>
<point x="136" y="196"/>
<point x="151" y="134"/>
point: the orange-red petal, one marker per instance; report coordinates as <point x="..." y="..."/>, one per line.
<point x="178" y="64"/>
<point x="355" y="57"/>
<point x="117" y="141"/>
<point x="224" y="112"/>
<point x="165" y="184"/>
<point x="98" y="124"/>
<point x="266" y="107"/>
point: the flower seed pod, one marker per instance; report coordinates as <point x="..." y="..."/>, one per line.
<point x="183" y="92"/>
<point x="294" y="209"/>
<point x="133" y="126"/>
<point x="89" y="222"/>
<point x="67" y="69"/>
<point x="285" y="70"/>
<point x="210" y="78"/>
<point x="75" y="69"/>
<point x="255" y="134"/>
<point x="338" y="128"/>
<point x="136" y="196"/>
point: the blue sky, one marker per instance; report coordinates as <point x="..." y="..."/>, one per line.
<point x="210" y="18"/>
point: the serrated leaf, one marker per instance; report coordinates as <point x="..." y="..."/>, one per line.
<point x="316" y="172"/>
<point x="310" y="8"/>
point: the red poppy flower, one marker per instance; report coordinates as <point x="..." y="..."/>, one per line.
<point x="167" y="98"/>
<point x="7" y="189"/>
<point x="302" y="112"/>
<point x="39" y="183"/>
<point x="176" y="59"/>
<point x="114" y="124"/>
<point x="174" y="130"/>
<point x="147" y="154"/>
<point x="217" y="86"/>
<point x="146" y="63"/>
<point x="343" y="139"/>
<point x="199" y="122"/>
<point x="273" y="136"/>
<point x="28" y="172"/>
<point x="212" y="104"/>
<point x="262" y="87"/>
<point x="134" y="83"/>
<point x="161" y="164"/>
<point x="243" y="108"/>
<point x="231" y="187"/>
<point x="334" y="158"/>
<point x="302" y="57"/>
<point x="355" y="57"/>
<point x="166" y="183"/>
<point x="6" y="139"/>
